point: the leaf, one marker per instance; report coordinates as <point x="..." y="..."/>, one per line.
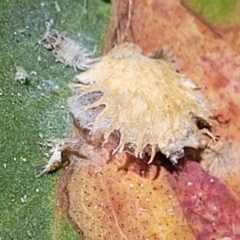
<point x="106" y="202"/>
<point x="35" y="111"/>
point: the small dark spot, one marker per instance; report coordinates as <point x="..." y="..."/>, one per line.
<point x="202" y="123"/>
<point x="220" y="119"/>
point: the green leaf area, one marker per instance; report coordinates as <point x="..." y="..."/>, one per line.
<point x="220" y="12"/>
<point x="35" y="110"/>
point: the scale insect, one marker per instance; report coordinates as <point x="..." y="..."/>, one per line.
<point x="67" y="51"/>
<point x="121" y="94"/>
<point x="138" y="93"/>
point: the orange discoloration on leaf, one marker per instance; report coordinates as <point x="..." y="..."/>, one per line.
<point x="110" y="204"/>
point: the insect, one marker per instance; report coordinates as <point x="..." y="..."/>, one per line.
<point x="68" y="51"/>
<point x="154" y="107"/>
<point x="218" y="158"/>
<point x="56" y="160"/>
<point x="21" y="75"/>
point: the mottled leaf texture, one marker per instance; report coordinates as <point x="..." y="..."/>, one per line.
<point x="122" y="197"/>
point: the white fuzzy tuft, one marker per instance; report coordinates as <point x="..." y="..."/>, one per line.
<point x="148" y="102"/>
<point x="67" y="51"/>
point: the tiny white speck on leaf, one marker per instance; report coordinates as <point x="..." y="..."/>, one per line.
<point x="23" y="159"/>
<point x="131" y="185"/>
<point x="169" y="210"/>
<point x="33" y="73"/>
<point x="57" y="7"/>
<point x="24" y="198"/>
